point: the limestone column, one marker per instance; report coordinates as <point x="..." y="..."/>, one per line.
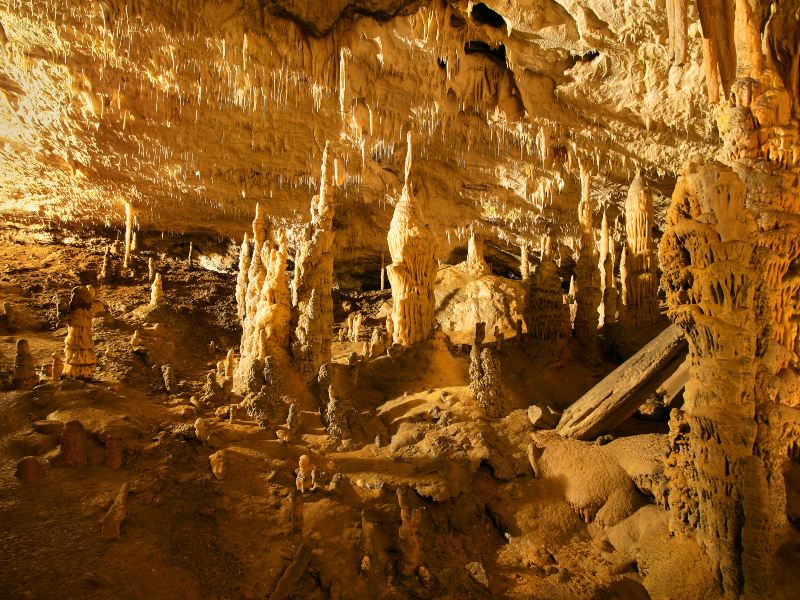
<point x="587" y="276"/>
<point x="640" y="273"/>
<point x="313" y="281"/>
<point x="412" y="274"/>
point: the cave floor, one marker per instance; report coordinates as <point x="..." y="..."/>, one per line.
<point x="585" y="529"/>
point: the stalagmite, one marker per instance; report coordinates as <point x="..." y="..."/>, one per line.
<point x="151" y="270"/>
<point x="587" y="280"/>
<point x="266" y="306"/>
<point x="190" y="258"/>
<point x="241" y="278"/>
<point x="79" y="356"/>
<point x="313" y="280"/>
<point x="524" y="268"/>
<point x="412" y="273"/>
<point x="608" y="307"/>
<point x="156" y="291"/>
<point x="25" y="376"/>
<point x="476" y="263"/>
<point x="546" y="315"/>
<point x="57" y="368"/>
<point x="639" y="264"/>
<point x="383" y="270"/>
<point x="126" y="263"/>
<point x="105" y="268"/>
<point x="484" y="381"/>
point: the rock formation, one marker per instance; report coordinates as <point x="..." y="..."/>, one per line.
<point x="587" y="281"/>
<point x="79" y="356"/>
<point x="266" y="306"/>
<point x="156" y="291"/>
<point x="126" y="262"/>
<point x="638" y="269"/>
<point x="727" y="256"/>
<point x="311" y="289"/>
<point x="476" y="263"/>
<point x="25" y="376"/>
<point x="546" y="315"/>
<point x="412" y="273"/>
<point x="484" y="381"/>
<point x="608" y="307"/>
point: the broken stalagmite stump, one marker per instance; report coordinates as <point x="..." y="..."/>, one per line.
<point x="618" y="396"/>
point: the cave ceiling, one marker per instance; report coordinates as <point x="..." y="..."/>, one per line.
<point x="194" y="111"/>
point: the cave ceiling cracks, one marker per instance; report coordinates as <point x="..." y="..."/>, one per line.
<point x="193" y="111"/>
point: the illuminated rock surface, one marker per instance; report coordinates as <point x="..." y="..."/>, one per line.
<point x="408" y="378"/>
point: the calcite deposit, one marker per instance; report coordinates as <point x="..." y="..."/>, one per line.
<point x="400" y="299"/>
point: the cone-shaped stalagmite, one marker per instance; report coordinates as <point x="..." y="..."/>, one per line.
<point x="546" y="314"/>
<point x="313" y="279"/>
<point x="638" y="269"/>
<point x="412" y="273"/>
<point x="79" y="356"/>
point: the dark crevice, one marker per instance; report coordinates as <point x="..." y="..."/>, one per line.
<point x="350" y="12"/>
<point x="483" y="15"/>
<point x="497" y="55"/>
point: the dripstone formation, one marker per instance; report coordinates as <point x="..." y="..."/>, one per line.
<point x="369" y="299"/>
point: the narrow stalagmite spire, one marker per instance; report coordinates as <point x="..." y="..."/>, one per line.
<point x="313" y="282"/>
<point x="524" y="265"/>
<point x="156" y="291"/>
<point x="587" y="276"/>
<point x="126" y="263"/>
<point x="412" y="273"/>
<point x="241" y="278"/>
<point x="640" y="282"/>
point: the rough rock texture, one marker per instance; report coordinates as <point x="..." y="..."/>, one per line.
<point x="266" y="306"/>
<point x="412" y="273"/>
<point x="311" y="288"/>
<point x="546" y="313"/>
<point x="728" y="255"/>
<point x="467" y="296"/>
<point x="25" y="376"/>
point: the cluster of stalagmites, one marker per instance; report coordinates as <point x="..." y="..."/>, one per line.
<point x="313" y="280"/>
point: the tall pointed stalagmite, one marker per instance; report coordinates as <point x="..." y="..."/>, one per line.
<point x="412" y="273"/>
<point x="639" y="271"/>
<point x="79" y="356"/>
<point x="608" y="307"/>
<point x="266" y="306"/>
<point x="313" y="280"/>
<point x="587" y="276"/>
